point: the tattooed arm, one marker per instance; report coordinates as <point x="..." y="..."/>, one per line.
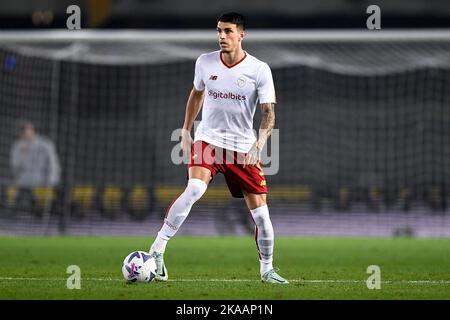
<point x="265" y="130"/>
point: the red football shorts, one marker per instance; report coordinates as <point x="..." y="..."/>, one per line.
<point x="230" y="164"/>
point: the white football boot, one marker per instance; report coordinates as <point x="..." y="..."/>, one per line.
<point x="272" y="276"/>
<point x="161" y="270"/>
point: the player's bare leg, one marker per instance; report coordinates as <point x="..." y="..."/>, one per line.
<point x="257" y="204"/>
<point x="254" y="200"/>
<point x="199" y="178"/>
<point x="197" y="172"/>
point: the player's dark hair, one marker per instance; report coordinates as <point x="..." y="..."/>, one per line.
<point x="233" y="17"/>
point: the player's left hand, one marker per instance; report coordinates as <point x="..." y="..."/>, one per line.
<point x="253" y="157"/>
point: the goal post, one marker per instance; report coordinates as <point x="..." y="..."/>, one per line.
<point x="363" y="123"/>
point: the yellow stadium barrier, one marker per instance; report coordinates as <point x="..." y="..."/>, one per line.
<point x="404" y="193"/>
<point x="111" y="200"/>
<point x="221" y="195"/>
<point x="83" y="196"/>
<point x="44" y="195"/>
<point x="138" y="198"/>
<point x="290" y="193"/>
<point x="11" y="194"/>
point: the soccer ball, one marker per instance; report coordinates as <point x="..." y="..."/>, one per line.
<point x="139" y="266"/>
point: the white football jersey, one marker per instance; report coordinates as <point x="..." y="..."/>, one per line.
<point x="231" y="96"/>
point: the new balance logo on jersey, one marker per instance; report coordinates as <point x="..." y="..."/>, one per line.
<point x="213" y="77"/>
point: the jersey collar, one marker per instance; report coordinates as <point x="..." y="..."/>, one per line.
<point x="234" y="64"/>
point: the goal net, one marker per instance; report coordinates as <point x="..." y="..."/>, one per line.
<point x="362" y="146"/>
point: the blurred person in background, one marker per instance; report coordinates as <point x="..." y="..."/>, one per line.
<point x="34" y="163"/>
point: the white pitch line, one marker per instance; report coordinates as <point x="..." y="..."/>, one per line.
<point x="239" y="280"/>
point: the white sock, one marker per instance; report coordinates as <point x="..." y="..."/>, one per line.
<point x="177" y="213"/>
<point x="265" y="266"/>
<point x="159" y="245"/>
<point x="264" y="236"/>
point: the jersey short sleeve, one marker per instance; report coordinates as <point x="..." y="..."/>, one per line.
<point x="265" y="86"/>
<point x="198" y="78"/>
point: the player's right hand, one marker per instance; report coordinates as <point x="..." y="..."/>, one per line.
<point x="186" y="141"/>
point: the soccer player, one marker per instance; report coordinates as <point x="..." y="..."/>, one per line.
<point x="228" y="83"/>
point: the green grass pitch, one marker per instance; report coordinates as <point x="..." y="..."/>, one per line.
<point x="227" y="268"/>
